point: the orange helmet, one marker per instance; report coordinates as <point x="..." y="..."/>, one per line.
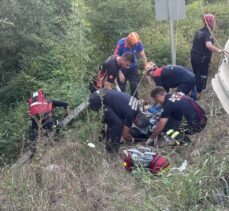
<point x="133" y="39"/>
<point x="209" y="20"/>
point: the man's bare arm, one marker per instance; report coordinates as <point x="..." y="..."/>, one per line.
<point x="213" y="48"/>
<point x="144" y="58"/>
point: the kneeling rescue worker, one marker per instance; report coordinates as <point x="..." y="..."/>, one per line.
<point x="176" y="107"/>
<point x="172" y="76"/>
<point x="109" y="71"/>
<point x="119" y="110"/>
<point x="41" y="114"/>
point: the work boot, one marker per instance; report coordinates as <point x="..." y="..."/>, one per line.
<point x="176" y="138"/>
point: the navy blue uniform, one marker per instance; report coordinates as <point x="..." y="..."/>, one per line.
<point x="120" y="109"/>
<point x="201" y="57"/>
<point x="108" y="72"/>
<point x="131" y="74"/>
<point x="111" y="68"/>
<point x="178" y="107"/>
<point x="171" y="76"/>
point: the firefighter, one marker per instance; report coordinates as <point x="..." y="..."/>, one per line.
<point x="119" y="111"/>
<point x="201" y="53"/>
<point x="109" y="71"/>
<point x="172" y="76"/>
<point x="177" y="107"/>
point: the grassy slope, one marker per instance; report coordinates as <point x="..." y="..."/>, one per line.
<point x="88" y="179"/>
<point x="71" y="176"/>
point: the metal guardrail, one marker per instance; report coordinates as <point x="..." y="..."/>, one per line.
<point x="220" y="82"/>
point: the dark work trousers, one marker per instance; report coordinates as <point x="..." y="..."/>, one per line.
<point x="46" y="124"/>
<point x="131" y="75"/>
<point x="185" y="128"/>
<point x="201" y="73"/>
<point x="115" y="127"/>
<point x="186" y="88"/>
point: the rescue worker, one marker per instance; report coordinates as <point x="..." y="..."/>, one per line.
<point x="132" y="44"/>
<point x="201" y="53"/>
<point x="109" y="71"/>
<point x="42" y="118"/>
<point x="172" y="76"/>
<point x="176" y="107"/>
<point x="119" y="110"/>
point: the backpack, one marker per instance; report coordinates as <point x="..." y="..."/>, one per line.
<point x="145" y="157"/>
<point x="38" y="104"/>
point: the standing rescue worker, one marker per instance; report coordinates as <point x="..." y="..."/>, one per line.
<point x="172" y="76"/>
<point x="119" y="110"/>
<point x="201" y="53"/>
<point x="177" y="107"/>
<point x="132" y="44"/>
<point x="41" y="114"/>
<point x="109" y="71"/>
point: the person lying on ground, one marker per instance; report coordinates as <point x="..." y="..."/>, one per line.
<point x="172" y="76"/>
<point x="119" y="111"/>
<point x="41" y="115"/>
<point x="181" y="113"/>
<point x="132" y="44"/>
<point x="109" y="71"/>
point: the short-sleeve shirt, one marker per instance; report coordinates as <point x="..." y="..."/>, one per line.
<point x="125" y="106"/>
<point x="177" y="106"/>
<point x="110" y="68"/>
<point x="122" y="48"/>
<point x="171" y="76"/>
<point x="200" y="53"/>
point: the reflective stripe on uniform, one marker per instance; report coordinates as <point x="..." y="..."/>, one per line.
<point x="35" y="94"/>
<point x="38" y="103"/>
<point x="133" y="103"/>
<point x="175" y="134"/>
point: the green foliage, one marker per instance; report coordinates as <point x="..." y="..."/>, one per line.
<point x="59" y="63"/>
<point x="112" y="20"/>
<point x="13" y="132"/>
<point x="34" y="26"/>
<point x="58" y="45"/>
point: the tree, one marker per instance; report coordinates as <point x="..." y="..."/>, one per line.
<point x="110" y="20"/>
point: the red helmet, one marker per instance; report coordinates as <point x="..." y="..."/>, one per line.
<point x="209" y="20"/>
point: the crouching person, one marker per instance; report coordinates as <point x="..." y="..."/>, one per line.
<point x="172" y="76"/>
<point x="177" y="107"/>
<point x="119" y="111"/>
<point x="41" y="114"/>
